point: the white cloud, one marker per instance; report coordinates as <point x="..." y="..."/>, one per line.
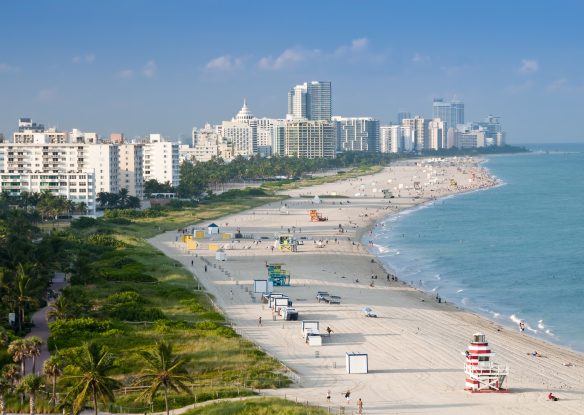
<point x="528" y="66"/>
<point x="419" y="58"/>
<point x="149" y="70"/>
<point x="224" y="63"/>
<point x="287" y="58"/>
<point x="359" y="43"/>
<point x="47" y="94"/>
<point x="557" y="85"/>
<point x="125" y="74"/>
<point x="356" y="45"/>
<point x="6" y="68"/>
<point x="89" y="58"/>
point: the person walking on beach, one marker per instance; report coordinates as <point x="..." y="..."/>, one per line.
<point x="328" y="396"/>
<point x="348" y="397"/>
<point x="205" y="268"/>
<point x="360" y="406"/>
<point x="259" y="321"/>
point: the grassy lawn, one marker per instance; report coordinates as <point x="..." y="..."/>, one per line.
<point x="149" y="227"/>
<point x="260" y="406"/>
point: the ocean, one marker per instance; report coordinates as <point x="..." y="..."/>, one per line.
<point x="510" y="253"/>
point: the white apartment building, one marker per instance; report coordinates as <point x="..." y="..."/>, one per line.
<point x="437" y="134"/>
<point x="76" y="171"/>
<point x="391" y="138"/>
<point x="357" y="133"/>
<point x="104" y="160"/>
<point x="268" y="133"/>
<point x="310" y="139"/>
<point x="77" y="187"/>
<point x="161" y="161"/>
<point x="415" y="133"/>
<point x="241" y="132"/>
<point x="465" y="137"/>
<point x="207" y="143"/>
<point x="131" y="166"/>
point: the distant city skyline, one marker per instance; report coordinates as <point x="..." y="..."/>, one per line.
<point x="142" y="67"/>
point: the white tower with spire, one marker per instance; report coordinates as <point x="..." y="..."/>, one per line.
<point x="241" y="132"/>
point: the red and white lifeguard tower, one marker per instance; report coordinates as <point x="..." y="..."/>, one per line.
<point x="482" y="374"/>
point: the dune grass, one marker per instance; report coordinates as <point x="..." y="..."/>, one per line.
<point x="260" y="406"/>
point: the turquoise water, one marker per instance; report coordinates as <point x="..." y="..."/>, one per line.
<point x="514" y="252"/>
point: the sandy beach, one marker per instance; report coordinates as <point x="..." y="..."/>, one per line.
<point x="415" y="346"/>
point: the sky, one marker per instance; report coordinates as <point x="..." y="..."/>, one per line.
<point x="142" y="67"/>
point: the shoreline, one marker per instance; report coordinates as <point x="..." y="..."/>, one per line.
<point x="414" y="340"/>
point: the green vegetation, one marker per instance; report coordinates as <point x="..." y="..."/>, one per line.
<point x="120" y="200"/>
<point x="259" y="406"/>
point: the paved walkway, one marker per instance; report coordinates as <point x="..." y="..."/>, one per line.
<point x="41" y="326"/>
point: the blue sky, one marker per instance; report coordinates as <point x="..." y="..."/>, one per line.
<point x="166" y="66"/>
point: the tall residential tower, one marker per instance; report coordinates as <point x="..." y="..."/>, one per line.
<point x="311" y="101"/>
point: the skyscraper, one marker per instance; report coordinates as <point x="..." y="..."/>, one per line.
<point x="357" y="133"/>
<point x="451" y="112"/>
<point x="311" y="101"/>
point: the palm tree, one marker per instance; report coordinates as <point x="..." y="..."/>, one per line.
<point x="5" y="388"/>
<point x="60" y="309"/>
<point x="31" y="384"/>
<point x="163" y="370"/>
<point x="52" y="368"/>
<point x="18" y="350"/>
<point x="23" y="284"/>
<point x="11" y="373"/>
<point x="123" y="198"/>
<point x="94" y="362"/>
<point x="33" y="349"/>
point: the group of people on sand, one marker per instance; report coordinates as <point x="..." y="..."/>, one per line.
<point x="347" y="396"/>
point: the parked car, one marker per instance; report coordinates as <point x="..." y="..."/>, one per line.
<point x="332" y="299"/>
<point x="368" y="312"/>
<point x="320" y="295"/>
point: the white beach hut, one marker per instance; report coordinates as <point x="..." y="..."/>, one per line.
<point x="356" y="362"/>
<point x="213" y="229"/>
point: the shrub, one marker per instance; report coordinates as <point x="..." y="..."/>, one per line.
<point x="105" y="240"/>
<point x="120" y="221"/>
<point x="68" y="333"/>
<point x="83" y="222"/>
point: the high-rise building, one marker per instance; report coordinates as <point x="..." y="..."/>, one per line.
<point x="131" y="166"/>
<point x="77" y="171"/>
<point x="161" y="161"/>
<point x="391" y="138"/>
<point x="104" y="159"/>
<point x="415" y="133"/>
<point x="311" y="101"/>
<point x="357" y="133"/>
<point x="437" y="134"/>
<point x="25" y="124"/>
<point x="451" y="112"/>
<point x="241" y="132"/>
<point x="402" y="115"/>
<point x="267" y="131"/>
<point x="310" y="139"/>
<point x="494" y="134"/>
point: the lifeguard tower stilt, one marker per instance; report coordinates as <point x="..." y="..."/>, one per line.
<point x="482" y="374"/>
